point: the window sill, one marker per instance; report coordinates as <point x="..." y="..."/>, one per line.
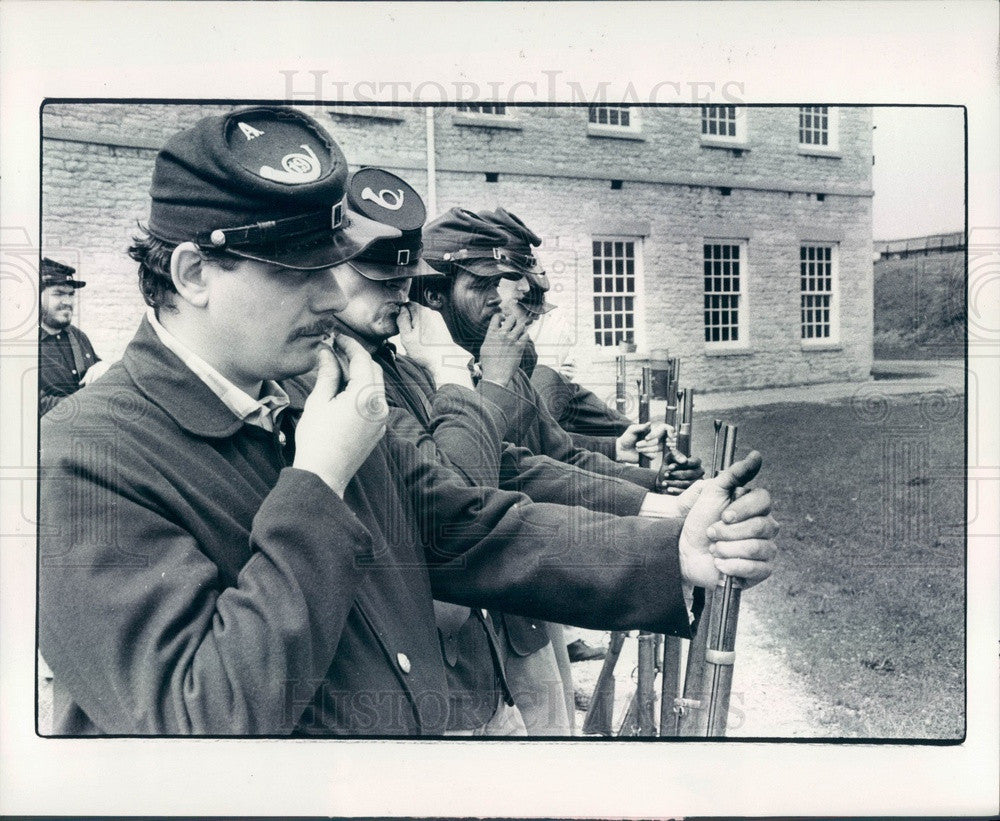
<point x="820" y="346"/>
<point x="607" y="356"/>
<point x="370" y="112"/>
<point x="487" y="121"/>
<point x="733" y="144"/>
<point x="728" y="350"/>
<point x="813" y="151"/>
<point x="614" y="132"/>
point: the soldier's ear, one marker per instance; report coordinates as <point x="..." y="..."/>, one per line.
<point x="433" y="297"/>
<point x="188" y="274"/>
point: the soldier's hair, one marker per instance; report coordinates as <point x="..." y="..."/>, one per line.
<point x="155" y="282"/>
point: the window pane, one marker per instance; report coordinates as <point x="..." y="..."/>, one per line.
<point x="614" y="261"/>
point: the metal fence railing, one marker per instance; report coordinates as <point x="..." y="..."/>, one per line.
<point x="935" y="243"/>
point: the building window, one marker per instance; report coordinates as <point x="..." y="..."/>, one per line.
<point x="725" y="293"/>
<point x="718" y="120"/>
<point x="490" y="109"/>
<point x="485" y="115"/>
<point x="818" y="127"/>
<point x="817" y="283"/>
<point x="618" y="121"/>
<point x="723" y="124"/>
<point x="620" y="115"/>
<point x="615" y="279"/>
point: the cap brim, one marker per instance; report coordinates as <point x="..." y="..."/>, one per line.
<point x="489" y="268"/>
<point x="323" y="249"/>
<point x="381" y="272"/>
<point x="65" y="283"/>
<point x="537" y="278"/>
<point x="536" y="309"/>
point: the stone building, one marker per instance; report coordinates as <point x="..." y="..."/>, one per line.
<point x="737" y="238"/>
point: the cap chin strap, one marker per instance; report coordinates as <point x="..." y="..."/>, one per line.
<point x="500" y="254"/>
<point x="455" y="258"/>
<point x="496" y="253"/>
<point x="521" y="260"/>
<point x="260" y="233"/>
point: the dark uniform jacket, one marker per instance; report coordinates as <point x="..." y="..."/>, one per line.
<point x="451" y="419"/>
<point x="591" y="423"/>
<point x="191" y="582"/>
<point x="63" y="359"/>
<point x="463" y="429"/>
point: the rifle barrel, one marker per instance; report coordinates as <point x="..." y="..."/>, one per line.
<point x="703" y="711"/>
<point x="670" y="685"/>
<point x="645" y="389"/>
<point x="673" y="376"/>
<point x="684" y="431"/>
<point x="621" y="374"/>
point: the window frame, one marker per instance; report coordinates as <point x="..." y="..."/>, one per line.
<point x="503" y="113"/>
<point x="638" y="294"/>
<point x="482" y="119"/>
<point x="832" y="147"/>
<point x="740" y="139"/>
<point x="631" y="131"/>
<point x="742" y="344"/>
<point x="833" y="340"/>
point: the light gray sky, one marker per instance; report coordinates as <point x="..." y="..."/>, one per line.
<point x="919" y="173"/>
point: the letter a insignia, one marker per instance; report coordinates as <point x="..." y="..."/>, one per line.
<point x="249" y="131"/>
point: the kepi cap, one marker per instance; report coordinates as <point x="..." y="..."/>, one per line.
<point x="377" y="195"/>
<point x="464" y="239"/>
<point x="263" y="183"/>
<point x="521" y="242"/>
<point x="53" y="273"/>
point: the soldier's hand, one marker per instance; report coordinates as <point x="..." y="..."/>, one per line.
<point x="502" y="349"/>
<point x="645" y="438"/>
<point x="681" y="472"/>
<point x="338" y="430"/>
<point x="568" y="368"/>
<point x="427" y="341"/>
<point x="727" y="530"/>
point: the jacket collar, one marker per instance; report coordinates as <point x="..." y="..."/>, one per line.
<point x="172" y="386"/>
<point x="529" y="358"/>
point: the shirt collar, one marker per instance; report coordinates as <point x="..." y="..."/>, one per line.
<point x="260" y="412"/>
<point x="44" y="334"/>
<point x="386" y="352"/>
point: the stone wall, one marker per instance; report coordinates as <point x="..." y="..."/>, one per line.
<point x="552" y="170"/>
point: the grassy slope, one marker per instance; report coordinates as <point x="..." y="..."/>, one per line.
<point x="869" y="595"/>
<point x="919" y="306"/>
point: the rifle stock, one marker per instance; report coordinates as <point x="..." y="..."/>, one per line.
<point x="640" y="715"/>
<point x="600" y="713"/>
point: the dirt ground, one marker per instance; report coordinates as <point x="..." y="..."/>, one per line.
<point x="768" y="698"/>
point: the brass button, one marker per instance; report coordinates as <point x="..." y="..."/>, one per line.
<point x="281" y="437"/>
<point x="404" y="662"/>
